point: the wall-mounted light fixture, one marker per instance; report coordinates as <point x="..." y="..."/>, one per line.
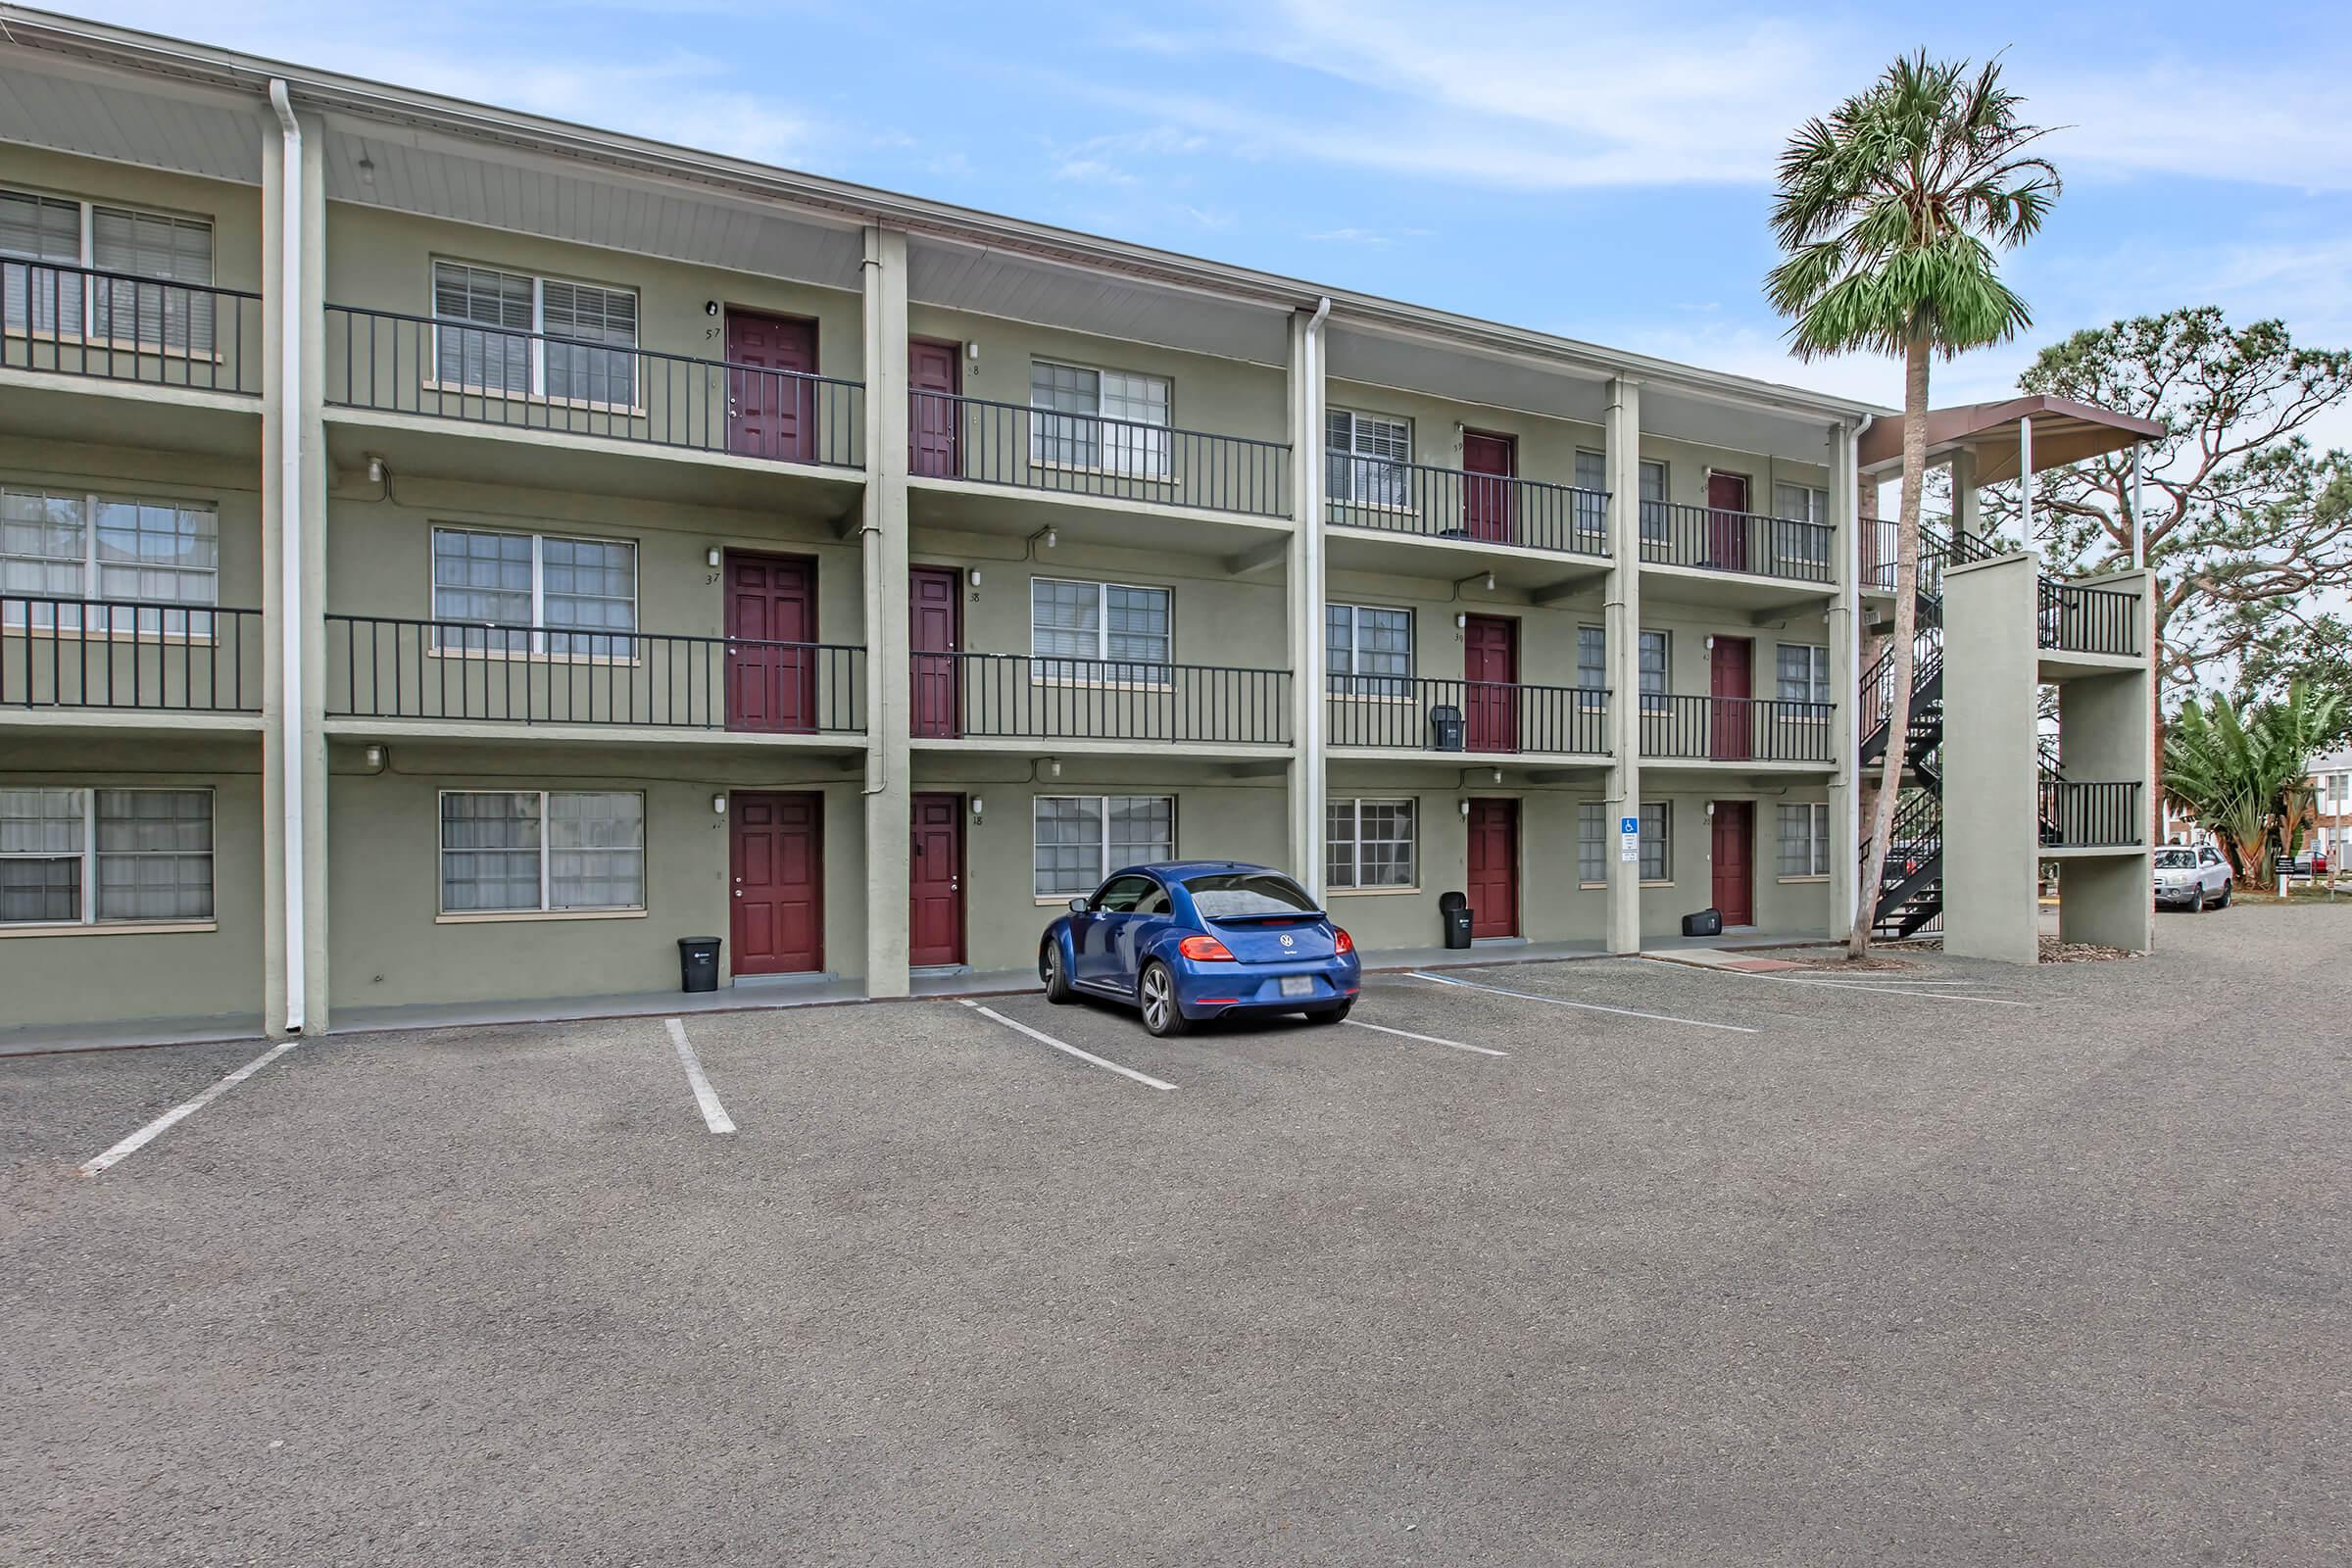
<point x="1490" y="582"/>
<point x="1465" y="804"/>
<point x="1053" y="538"/>
<point x="1053" y="767"/>
<point x="1461" y="619"/>
<point x="710" y="307"/>
<point x="376" y="469"/>
<point x="366" y="167"/>
<point x="972" y="354"/>
<point x="978" y="806"/>
<point x="1710" y="642"/>
<point x="974" y="576"/>
<point x="374" y="755"/>
<point x="711" y="557"/>
<point x="718" y="803"/>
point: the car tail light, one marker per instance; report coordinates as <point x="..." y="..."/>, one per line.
<point x="1204" y="950"/>
<point x="1345" y="943"/>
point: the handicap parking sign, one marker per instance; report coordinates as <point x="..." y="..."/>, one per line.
<point x="1629" y="825"/>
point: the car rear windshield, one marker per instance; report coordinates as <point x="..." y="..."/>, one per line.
<point x="1226" y="894"/>
<point x="2176" y="860"/>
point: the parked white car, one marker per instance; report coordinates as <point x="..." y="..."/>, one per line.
<point x="2195" y="879"/>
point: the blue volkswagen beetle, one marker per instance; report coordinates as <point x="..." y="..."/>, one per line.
<point x="1190" y="940"/>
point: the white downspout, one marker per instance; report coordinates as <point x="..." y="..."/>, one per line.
<point x="1310" y="560"/>
<point x="290" y="608"/>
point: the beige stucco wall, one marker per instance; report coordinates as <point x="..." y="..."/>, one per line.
<point x="114" y="974"/>
<point x="391" y="950"/>
<point x="234" y="211"/>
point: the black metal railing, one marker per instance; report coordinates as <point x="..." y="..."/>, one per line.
<point x="1405" y="713"/>
<point x="2086" y="815"/>
<point x="388" y="363"/>
<point x="971" y="696"/>
<point x="1362" y="492"/>
<point x="113" y="326"/>
<point x="383" y="666"/>
<point x="2087" y="621"/>
<point x="954" y="437"/>
<point x="1734" y="729"/>
<point x="1877" y="686"/>
<point x="129" y="654"/>
<point x="1717" y="540"/>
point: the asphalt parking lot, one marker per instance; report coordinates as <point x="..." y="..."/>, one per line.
<point x="1610" y="1262"/>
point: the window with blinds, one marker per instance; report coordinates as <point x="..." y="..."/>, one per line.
<point x="1655" y="526"/>
<point x="74" y="545"/>
<point x="1805" y="840"/>
<point x="1084" y="418"/>
<point x="481" y="340"/>
<point x="105" y="856"/>
<point x="158" y="298"/>
<point x="523" y="593"/>
<point x="1081" y="839"/>
<point x="1099" y="631"/>
<point x="1369" y="650"/>
<point x="1370" y="843"/>
<point x="525" y="852"/>
<point x="579" y="317"/>
<point x="1368" y="459"/>
<point x="1803" y="673"/>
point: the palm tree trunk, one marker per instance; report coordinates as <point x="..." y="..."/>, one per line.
<point x="1906" y="628"/>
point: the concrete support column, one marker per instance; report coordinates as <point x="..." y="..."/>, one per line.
<point x="1621" y="623"/>
<point x="1845" y="664"/>
<point x="1305" y="575"/>
<point x="2106" y="734"/>
<point x="294" y="927"/>
<point x="1991" y="838"/>
<point x="888" y="757"/>
<point x="1968" y="507"/>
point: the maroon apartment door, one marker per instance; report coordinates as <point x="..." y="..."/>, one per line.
<point x="1735" y="852"/>
<point x="1488" y="464"/>
<point x="1493" y="879"/>
<point x="772" y="413"/>
<point x="932" y="424"/>
<point x="1490" y="699"/>
<point x="772" y="614"/>
<point x="935" y="882"/>
<point x="1727" y="522"/>
<point x="1729" y="716"/>
<point x="775" y="851"/>
<point x="935" y="632"/>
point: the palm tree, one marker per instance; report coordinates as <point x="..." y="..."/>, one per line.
<point x="1889" y="213"/>
<point x="2248" y="779"/>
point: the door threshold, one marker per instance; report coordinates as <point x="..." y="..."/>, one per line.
<point x="1498" y="942"/>
<point x="939" y="971"/>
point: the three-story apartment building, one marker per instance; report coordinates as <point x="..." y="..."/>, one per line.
<point x="446" y="555"/>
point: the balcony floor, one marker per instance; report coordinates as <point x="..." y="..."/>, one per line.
<point x="488" y="733"/>
<point x="1720" y="766"/>
<point x="1450" y="761"/>
<point x="552" y="460"/>
<point x="1537" y="572"/>
<point x="115" y="723"/>
<point x="42" y="406"/>
<point x="1753" y="595"/>
<point x="1072" y="746"/>
<point x="1013" y="512"/>
<point x="2057" y="664"/>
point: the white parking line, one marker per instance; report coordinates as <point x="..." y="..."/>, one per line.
<point x="714" y="1114"/>
<point x="1851" y="985"/>
<point x="1145" y="1079"/>
<point x="179" y="1114"/>
<point x="1430" y="1038"/>
<point x="1586" y="1007"/>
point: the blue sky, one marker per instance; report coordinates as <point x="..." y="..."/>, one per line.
<point x="1596" y="171"/>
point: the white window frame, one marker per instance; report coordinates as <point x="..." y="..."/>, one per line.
<point x="1103" y="865"/>
<point x="1354" y="841"/>
<point x="1817" y="677"/>
<point x="1113" y="436"/>
<point x="1665" y="842"/>
<point x="87" y="918"/>
<point x="1596" y="813"/>
<point x="1654" y="526"/>
<point x="535" y="389"/>
<point x="85" y="257"/>
<point x="1139" y="674"/>
<point x="1368" y="481"/>
<point x="1355" y="683"/>
<point x="1816" y="512"/>
<point x="1657" y="702"/>
<point x="644" y="861"/>
<point x="621" y="647"/>
<point x="1816" y="840"/>
<point x="177" y="619"/>
<point x="1592" y="697"/>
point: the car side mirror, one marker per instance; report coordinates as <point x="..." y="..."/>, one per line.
<point x="1077" y="906"/>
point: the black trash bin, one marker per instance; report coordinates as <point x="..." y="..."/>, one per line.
<point x="1705" y="923"/>
<point x="1454" y="915"/>
<point x="698" y="964"/>
<point x="1446" y="728"/>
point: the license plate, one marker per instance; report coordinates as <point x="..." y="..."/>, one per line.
<point x="1297" y="985"/>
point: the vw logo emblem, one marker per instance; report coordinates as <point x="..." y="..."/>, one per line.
<point x="1289" y="942"/>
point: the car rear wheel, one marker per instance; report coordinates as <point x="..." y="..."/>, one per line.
<point x="1057" y="981"/>
<point x="2225" y="887"/>
<point x="1155" y="995"/>
<point x="2196" y="900"/>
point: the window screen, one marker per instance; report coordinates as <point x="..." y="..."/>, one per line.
<point x="491" y="350"/>
<point x="148" y="854"/>
<point x="35" y="229"/>
<point x="1805" y="840"/>
<point x="172" y="251"/>
<point x="1368" y="459"/>
<point x="592" y="315"/>
<point x="1803" y="673"/>
<point x="1370" y="843"/>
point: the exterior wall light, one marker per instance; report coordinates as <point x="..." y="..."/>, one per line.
<point x="711" y="557"/>
<point x="1465" y="806"/>
<point x="974" y="576"/>
<point x="718" y="803"/>
<point x="1461" y="619"/>
<point x="978" y="806"/>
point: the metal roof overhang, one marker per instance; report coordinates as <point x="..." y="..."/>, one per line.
<point x="2064" y="431"/>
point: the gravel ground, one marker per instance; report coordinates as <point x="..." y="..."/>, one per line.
<point x="1961" y="1264"/>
